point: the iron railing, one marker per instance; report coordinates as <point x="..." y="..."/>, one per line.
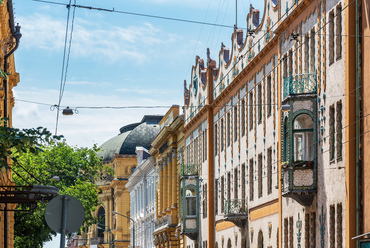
<point x="189" y="169"/>
<point x="236" y="206"/>
<point x="300" y="84"/>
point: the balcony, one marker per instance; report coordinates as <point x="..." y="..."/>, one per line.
<point x="299" y="181"/>
<point x="300" y="84"/>
<point x="236" y="211"/>
<point x="189" y="169"/>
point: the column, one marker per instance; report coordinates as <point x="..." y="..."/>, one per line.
<point x="160" y="203"/>
<point x="165" y="186"/>
<point x="174" y="178"/>
<point x="169" y="180"/>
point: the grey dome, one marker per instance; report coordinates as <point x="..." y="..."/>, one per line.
<point x="131" y="136"/>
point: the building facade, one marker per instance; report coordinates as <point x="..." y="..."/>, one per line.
<point x="119" y="153"/>
<point x="271" y="129"/>
<point x="141" y="186"/>
<point x="167" y="149"/>
<point x="9" y="36"/>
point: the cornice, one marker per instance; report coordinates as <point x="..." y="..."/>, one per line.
<point x="196" y="118"/>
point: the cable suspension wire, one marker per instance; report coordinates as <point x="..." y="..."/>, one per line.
<point x="139" y="14"/>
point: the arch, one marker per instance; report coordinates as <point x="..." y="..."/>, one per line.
<point x="260" y="239"/>
<point x="101" y="223"/>
<point x="216" y="245"/>
<point x="190" y="201"/>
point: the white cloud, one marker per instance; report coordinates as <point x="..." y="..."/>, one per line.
<point x="112" y="43"/>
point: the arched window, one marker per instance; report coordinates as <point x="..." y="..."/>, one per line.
<point x="101" y="223"/>
<point x="191" y="201"/>
<point x="303" y="138"/>
<point x="260" y="239"/>
<point x="229" y="243"/>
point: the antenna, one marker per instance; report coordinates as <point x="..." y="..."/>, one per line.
<point x="236" y="14"/>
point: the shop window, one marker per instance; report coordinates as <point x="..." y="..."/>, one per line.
<point x="191" y="202"/>
<point x="303" y="138"/>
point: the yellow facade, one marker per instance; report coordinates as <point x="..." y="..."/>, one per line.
<point x="7" y="35"/>
<point x="166" y="148"/>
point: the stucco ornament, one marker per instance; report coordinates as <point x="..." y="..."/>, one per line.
<point x="195" y="85"/>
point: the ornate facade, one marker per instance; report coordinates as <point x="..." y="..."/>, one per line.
<point x="268" y="128"/>
<point x="167" y="149"/>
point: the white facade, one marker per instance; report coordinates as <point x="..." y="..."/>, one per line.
<point x="141" y="186"/>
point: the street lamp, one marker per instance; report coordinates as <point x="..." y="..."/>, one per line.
<point x="133" y="227"/>
<point x="111" y="238"/>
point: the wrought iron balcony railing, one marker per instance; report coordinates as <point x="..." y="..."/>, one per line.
<point x="189" y="169"/>
<point x="236" y="206"/>
<point x="300" y="84"/>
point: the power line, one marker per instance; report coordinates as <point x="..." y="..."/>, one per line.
<point x="139" y="14"/>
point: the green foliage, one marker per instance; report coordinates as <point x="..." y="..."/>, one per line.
<point x="77" y="169"/>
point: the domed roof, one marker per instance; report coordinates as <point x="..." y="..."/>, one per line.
<point x="131" y="136"/>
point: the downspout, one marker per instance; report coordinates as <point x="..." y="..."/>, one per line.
<point x="17" y="35"/>
<point x="357" y="123"/>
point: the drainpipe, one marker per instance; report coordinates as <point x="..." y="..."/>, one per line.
<point x="17" y="35"/>
<point x="357" y="43"/>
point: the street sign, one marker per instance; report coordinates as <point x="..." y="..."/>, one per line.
<point x="74" y="214"/>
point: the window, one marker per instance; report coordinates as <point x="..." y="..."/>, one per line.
<point x="332" y="226"/>
<point x="269" y="171"/>
<point x="285" y="66"/>
<point x="251" y="180"/>
<point x="339" y="32"/>
<point x="312" y="51"/>
<point x="286" y="245"/>
<point x="260" y="175"/>
<point x="235" y="123"/>
<point x="191" y="202"/>
<point x="331" y="133"/>
<point x="339" y="226"/>
<point x="250" y="110"/>
<point x="216" y="139"/>
<point x="260" y="239"/>
<point x="228" y="186"/>
<point x="313" y="229"/>
<point x="303" y="138"/>
<point x="101" y="219"/>
<point x="216" y="196"/>
<point x="259" y="104"/>
<point x="291" y="233"/>
<point x="222" y="194"/>
<point x="331" y="37"/>
<point x="307" y="230"/>
<point x="228" y="129"/>
<point x="222" y="135"/>
<point x="196" y="151"/>
<point x="204" y="145"/>
<point x="339" y="130"/>
<point x="242" y="117"/>
<point x="268" y="96"/>
<point x="290" y="71"/>
<point x="235" y="183"/>
<point x="243" y="181"/>
<point x="286" y="138"/>
<point x="205" y="201"/>
<point x="307" y="55"/>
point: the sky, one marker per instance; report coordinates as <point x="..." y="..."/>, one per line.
<point x="115" y="60"/>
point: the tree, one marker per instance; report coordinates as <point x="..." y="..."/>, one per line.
<point x="77" y="168"/>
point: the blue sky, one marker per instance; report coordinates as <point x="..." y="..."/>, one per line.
<point x="115" y="60"/>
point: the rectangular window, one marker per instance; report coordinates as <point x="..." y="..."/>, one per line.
<point x="291" y="232"/>
<point x="339" y="32"/>
<point x="285" y="66"/>
<point x="205" y="201"/>
<point x="235" y="123"/>
<point x="205" y="145"/>
<point x="235" y="183"/>
<point x="260" y="175"/>
<point x="332" y="226"/>
<point x="331" y="37"/>
<point x="196" y="151"/>
<point x="307" y="230"/>
<point x="312" y="51"/>
<point x="251" y="110"/>
<point x="259" y="103"/>
<point x="222" y="135"/>
<point x="339" y="226"/>
<point x="269" y="171"/>
<point x="216" y="139"/>
<point x="286" y="239"/>
<point x="243" y="181"/>
<point x="331" y="133"/>
<point x="290" y="71"/>
<point x="251" y="180"/>
<point x="313" y="230"/>
<point x="222" y="194"/>
<point x="268" y="96"/>
<point x="339" y="129"/>
<point x="242" y="119"/>
<point x="216" y="196"/>
<point x="306" y="54"/>
<point x="228" y="129"/>
<point x="228" y="186"/>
